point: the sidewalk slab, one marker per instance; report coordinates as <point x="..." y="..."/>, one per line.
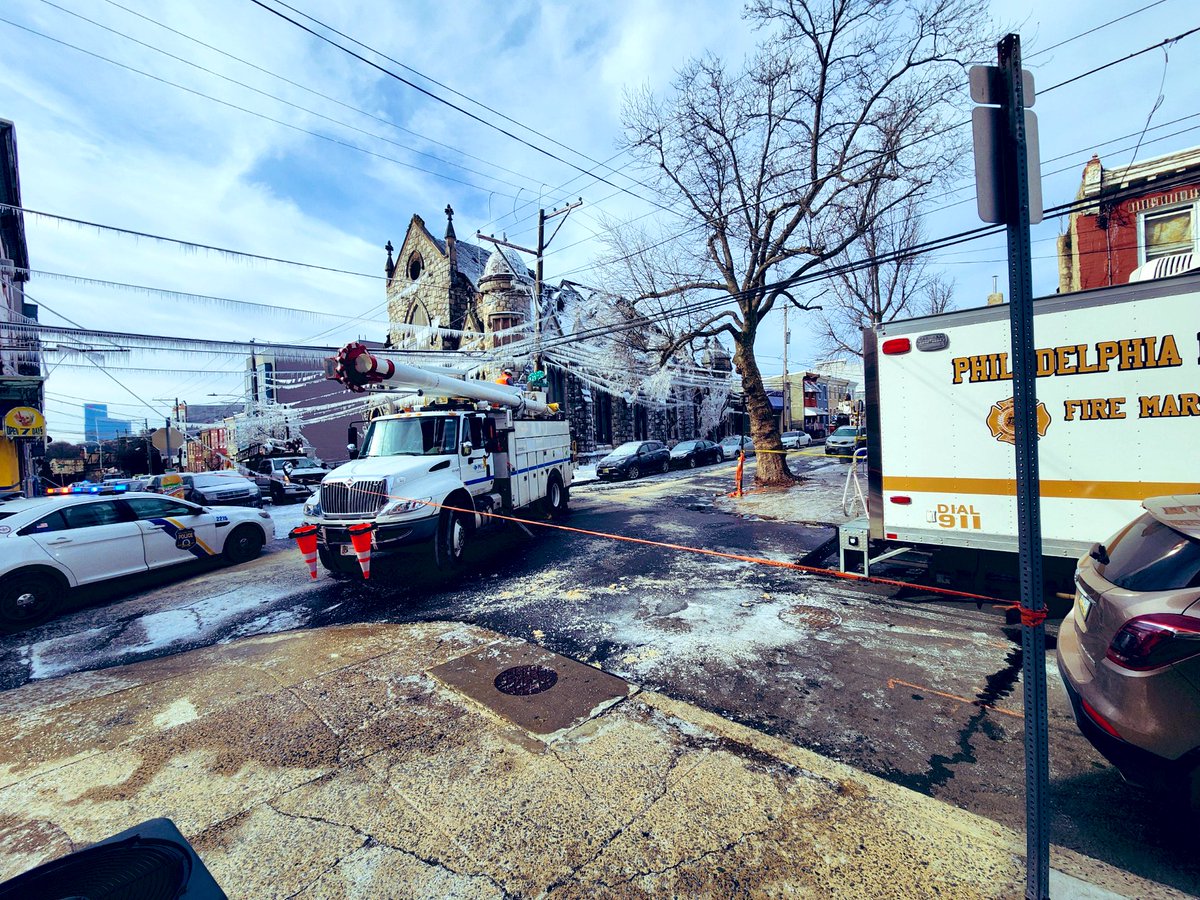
<point x="332" y="763"/>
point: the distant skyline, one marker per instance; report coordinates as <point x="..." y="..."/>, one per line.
<point x="97" y="426"/>
<point x="213" y="162"/>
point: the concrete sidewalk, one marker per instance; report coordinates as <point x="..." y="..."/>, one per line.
<point x="383" y="761"/>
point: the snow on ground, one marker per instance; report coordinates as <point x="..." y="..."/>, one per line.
<point x="816" y="499"/>
<point x="584" y="474"/>
<point x="286" y="518"/>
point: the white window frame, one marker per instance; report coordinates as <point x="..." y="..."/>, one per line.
<point x="1193" y="207"/>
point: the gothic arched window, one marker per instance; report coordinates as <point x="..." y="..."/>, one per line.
<point x="416" y="266"/>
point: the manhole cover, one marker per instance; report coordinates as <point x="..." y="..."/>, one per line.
<point x="521" y="681"/>
<point x="812" y="617"/>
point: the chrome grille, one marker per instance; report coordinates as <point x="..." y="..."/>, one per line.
<point x="354" y="499"/>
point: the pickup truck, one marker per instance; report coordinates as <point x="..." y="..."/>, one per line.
<point x="287" y="478"/>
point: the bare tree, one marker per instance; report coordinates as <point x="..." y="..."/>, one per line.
<point x="785" y="162"/>
<point x="877" y="281"/>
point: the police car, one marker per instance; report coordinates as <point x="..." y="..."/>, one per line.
<point x="95" y="533"/>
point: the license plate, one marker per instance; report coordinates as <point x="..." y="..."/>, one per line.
<point x="347" y="550"/>
<point x="1083" y="604"/>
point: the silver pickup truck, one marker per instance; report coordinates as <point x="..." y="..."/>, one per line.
<point x="286" y="478"/>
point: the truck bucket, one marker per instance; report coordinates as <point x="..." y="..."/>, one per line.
<point x="306" y="539"/>
<point x="360" y="537"/>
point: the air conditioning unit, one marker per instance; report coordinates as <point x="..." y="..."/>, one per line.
<point x="151" y="861"/>
<point x="1165" y="267"/>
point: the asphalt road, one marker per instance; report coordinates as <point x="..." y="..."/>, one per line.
<point x="920" y="691"/>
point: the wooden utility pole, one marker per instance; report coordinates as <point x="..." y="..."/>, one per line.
<point x="538" y="271"/>
<point x="787" y="387"/>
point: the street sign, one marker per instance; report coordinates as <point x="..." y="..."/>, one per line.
<point x="159" y="439"/>
<point x="989" y="132"/>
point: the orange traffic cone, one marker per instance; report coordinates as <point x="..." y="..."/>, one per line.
<point x="738" y="474"/>
<point x="360" y="537"/>
<point x="306" y="538"/>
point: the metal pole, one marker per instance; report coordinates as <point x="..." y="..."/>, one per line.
<point x="149" y="459"/>
<point x="1029" y="530"/>
<point x="167" y="455"/>
<point x="537" y="291"/>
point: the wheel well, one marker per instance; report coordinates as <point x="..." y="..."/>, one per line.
<point x="461" y="500"/>
<point x="261" y="530"/>
<point x="45" y="571"/>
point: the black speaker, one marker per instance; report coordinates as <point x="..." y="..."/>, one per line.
<point x="151" y="861"/>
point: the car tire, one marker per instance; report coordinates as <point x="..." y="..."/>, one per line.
<point x="243" y="544"/>
<point x="691" y="462"/>
<point x="634" y="472"/>
<point x="557" y="496"/>
<point x="28" y="599"/>
<point x="277" y="496"/>
<point x="450" y="541"/>
<point x="666" y="466"/>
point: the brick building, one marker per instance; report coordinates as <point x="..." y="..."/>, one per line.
<point x="1139" y="214"/>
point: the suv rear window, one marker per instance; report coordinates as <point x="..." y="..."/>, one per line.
<point x="1150" y="556"/>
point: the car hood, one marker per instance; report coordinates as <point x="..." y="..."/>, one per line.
<point x="615" y="460"/>
<point x="397" y="468"/>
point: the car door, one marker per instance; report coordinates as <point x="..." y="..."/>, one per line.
<point x="173" y="531"/>
<point x="96" y="540"/>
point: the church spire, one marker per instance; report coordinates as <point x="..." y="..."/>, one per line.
<point x="451" y="239"/>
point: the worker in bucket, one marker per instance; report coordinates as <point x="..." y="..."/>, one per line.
<point x="506" y="377"/>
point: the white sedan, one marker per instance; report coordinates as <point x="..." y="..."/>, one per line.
<point x="51" y="544"/>
<point x="794" y="440"/>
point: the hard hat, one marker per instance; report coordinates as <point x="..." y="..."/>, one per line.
<point x="508" y="371"/>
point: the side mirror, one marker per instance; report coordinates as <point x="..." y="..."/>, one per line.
<point x="352" y="435"/>
<point x="465" y="448"/>
<point x="352" y="449"/>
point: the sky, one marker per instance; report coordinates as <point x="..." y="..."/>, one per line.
<point x="219" y="123"/>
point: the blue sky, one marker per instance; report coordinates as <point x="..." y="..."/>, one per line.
<point x="105" y="144"/>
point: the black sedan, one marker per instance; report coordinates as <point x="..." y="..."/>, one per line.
<point x="689" y="454"/>
<point x="634" y="459"/>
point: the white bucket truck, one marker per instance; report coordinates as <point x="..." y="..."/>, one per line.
<point x="469" y="457"/>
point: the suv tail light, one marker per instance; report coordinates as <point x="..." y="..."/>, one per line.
<point x="1154" y="641"/>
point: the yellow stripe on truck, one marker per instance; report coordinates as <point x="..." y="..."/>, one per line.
<point x="1084" y="490"/>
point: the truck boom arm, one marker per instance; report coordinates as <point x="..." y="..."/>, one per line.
<point x="356" y="367"/>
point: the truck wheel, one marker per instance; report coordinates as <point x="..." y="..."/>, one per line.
<point x="557" y="496"/>
<point x="634" y="472"/>
<point x="27" y="600"/>
<point x="450" y="540"/>
<point x="277" y="494"/>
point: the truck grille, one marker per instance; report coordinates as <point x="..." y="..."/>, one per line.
<point x="355" y="499"/>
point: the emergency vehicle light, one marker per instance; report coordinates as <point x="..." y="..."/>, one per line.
<point x="894" y="346"/>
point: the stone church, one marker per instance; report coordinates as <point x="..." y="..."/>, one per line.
<point x="447" y="294"/>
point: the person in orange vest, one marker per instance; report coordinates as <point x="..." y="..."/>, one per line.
<point x="506" y="377"/>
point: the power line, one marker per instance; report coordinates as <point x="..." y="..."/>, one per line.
<point x="1081" y="34"/>
<point x="284" y="101"/>
<point x="1165" y="43"/>
<point x="455" y="106"/>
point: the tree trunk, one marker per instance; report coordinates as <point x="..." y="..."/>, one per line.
<point x="771" y="466"/>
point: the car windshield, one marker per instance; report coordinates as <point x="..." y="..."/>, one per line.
<point x="685" y="446"/>
<point x="216" y="479"/>
<point x="846" y="431"/>
<point x="627" y="449"/>
<point x="425" y="436"/>
<point x="1149" y="556"/>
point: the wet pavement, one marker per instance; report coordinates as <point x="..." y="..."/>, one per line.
<point x="922" y="692"/>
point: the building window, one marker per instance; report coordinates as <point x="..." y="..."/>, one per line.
<point x="602" y="409"/>
<point x="503" y="323"/>
<point x="416" y="266"/>
<point x="1164" y="232"/>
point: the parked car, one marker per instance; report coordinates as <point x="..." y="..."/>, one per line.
<point x="794" y="440"/>
<point x="1129" y="652"/>
<point x="845" y="440"/>
<point x="50" y="544"/>
<point x="734" y="443"/>
<point x="689" y="454"/>
<point x="224" y="488"/>
<point x="285" y="478"/>
<point x="634" y="459"/>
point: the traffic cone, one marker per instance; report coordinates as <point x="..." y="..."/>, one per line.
<point x="360" y="537"/>
<point x="306" y="538"/>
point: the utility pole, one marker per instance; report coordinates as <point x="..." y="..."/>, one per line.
<point x="787" y="387"/>
<point x="539" y="254"/>
<point x="149" y="448"/>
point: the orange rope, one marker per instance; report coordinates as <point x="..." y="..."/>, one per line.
<point x="758" y="560"/>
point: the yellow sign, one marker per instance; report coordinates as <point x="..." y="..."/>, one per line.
<point x="24" y="422"/>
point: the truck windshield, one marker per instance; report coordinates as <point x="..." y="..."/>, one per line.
<point x="425" y="436"/>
